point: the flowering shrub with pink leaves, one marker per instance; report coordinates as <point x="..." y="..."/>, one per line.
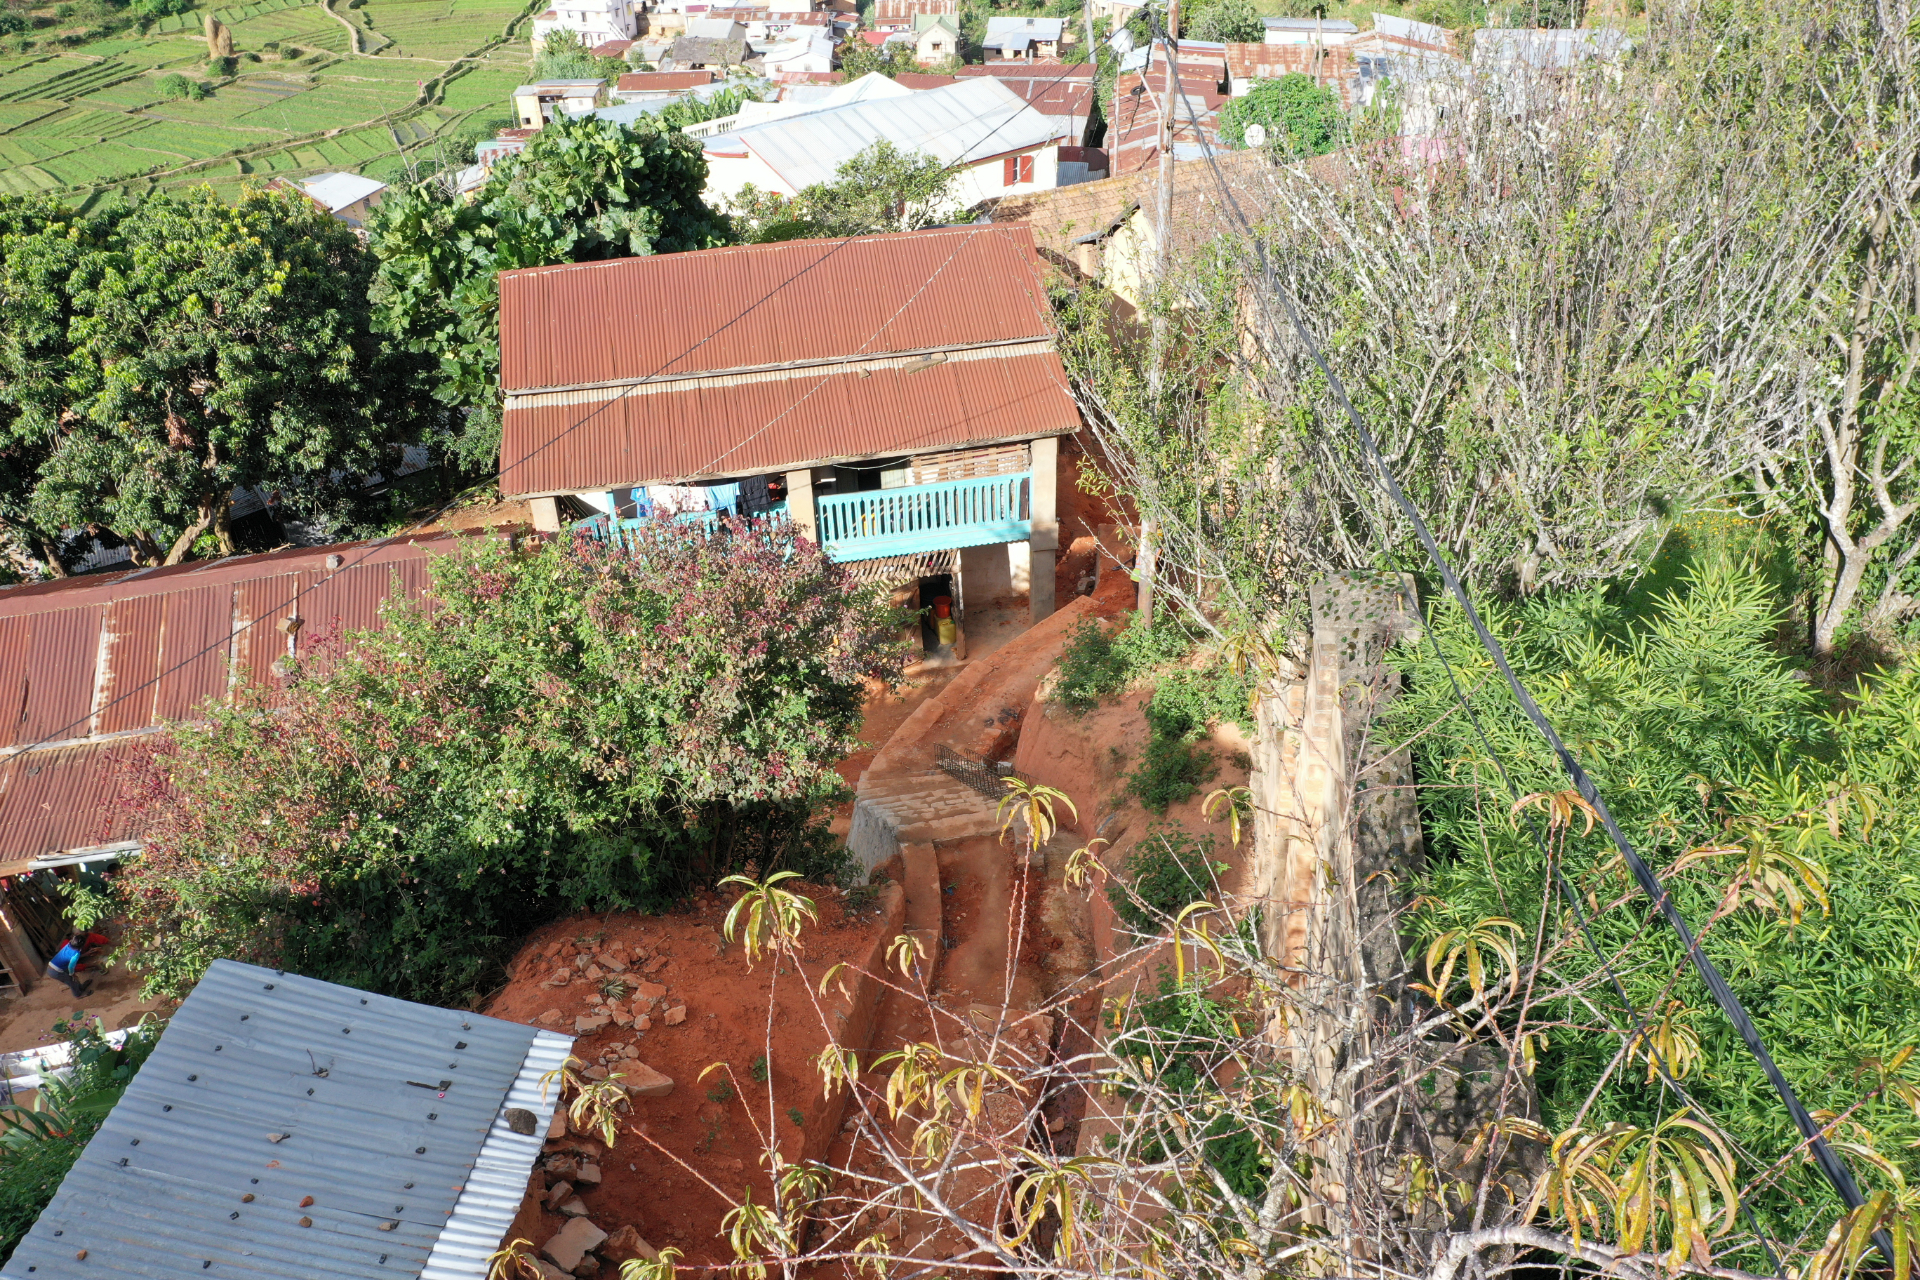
<point x="565" y="727"/>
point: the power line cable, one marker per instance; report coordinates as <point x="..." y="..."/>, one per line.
<point x="1835" y="1170"/>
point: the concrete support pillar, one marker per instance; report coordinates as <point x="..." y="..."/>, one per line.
<point x="1045" y="541"/>
<point x="546" y="515"/>
<point x="800" y="507"/>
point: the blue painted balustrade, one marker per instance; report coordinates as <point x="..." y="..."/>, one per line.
<point x="926" y="517"/>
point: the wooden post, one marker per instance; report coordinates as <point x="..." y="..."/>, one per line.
<point x="800" y="508"/>
<point x="1044" y="541"/>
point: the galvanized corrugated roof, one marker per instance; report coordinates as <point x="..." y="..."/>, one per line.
<point x="960" y="123"/>
<point x="382" y="1109"/>
<point x="90" y="660"/>
<point x="756" y="358"/>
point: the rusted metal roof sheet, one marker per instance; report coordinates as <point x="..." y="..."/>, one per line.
<point x="664" y="81"/>
<point x="87" y="661"/>
<point x="754" y="359"/>
<point x="62" y="799"/>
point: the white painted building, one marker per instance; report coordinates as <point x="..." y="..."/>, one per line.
<point x="806" y="52"/>
<point x="999" y="145"/>
<point x="594" y="21"/>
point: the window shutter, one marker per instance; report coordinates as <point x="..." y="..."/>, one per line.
<point x="1009" y="171"/>
<point x="1024" y="169"/>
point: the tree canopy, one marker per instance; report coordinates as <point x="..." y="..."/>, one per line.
<point x="154" y="357"/>
<point x="1300" y="117"/>
<point x="584" y="190"/>
<point x="881" y="189"/>
<point x="571" y="727"/>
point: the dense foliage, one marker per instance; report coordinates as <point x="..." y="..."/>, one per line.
<point x="568" y="728"/>
<point x="1705" y="741"/>
<point x="1301" y="118"/>
<point x="152" y="358"/>
<point x="881" y="189"/>
<point x="584" y="190"/>
<point x="39" y="1144"/>
<point x="1168" y="870"/>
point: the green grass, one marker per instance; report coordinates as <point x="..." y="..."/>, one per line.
<point x="90" y="125"/>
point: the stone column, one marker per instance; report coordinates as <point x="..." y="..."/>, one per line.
<point x="800" y="508"/>
<point x="1045" y="540"/>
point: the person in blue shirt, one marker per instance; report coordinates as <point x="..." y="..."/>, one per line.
<point x="71" y="958"/>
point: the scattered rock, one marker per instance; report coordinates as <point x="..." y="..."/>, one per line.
<point x="306" y="1202"/>
<point x="522" y="1121"/>
<point x="627" y="1245"/>
<point x="557" y="1127"/>
<point x="570" y="1244"/>
<point x="561" y="1168"/>
<point x="643" y="1022"/>
<point x="559" y="1193"/>
<point x="306" y="1222"/>
<point x="588" y="1179"/>
<point x="676" y="1015"/>
<point x="652" y="990"/>
<point x="546" y="1270"/>
<point x="653" y="965"/>
<point x="589" y="1266"/>
<point x="613" y="964"/>
<point x="276" y="1137"/>
<point x="553" y="949"/>
<point x="595" y="1072"/>
<point x="595" y="973"/>
<point x="550" y="1017"/>
<point x="622" y="1019"/>
<point x="574" y="1208"/>
<point x="644" y="1081"/>
<point x="1056" y="1124"/>
<point x="584" y="1025"/>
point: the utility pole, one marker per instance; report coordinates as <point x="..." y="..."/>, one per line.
<point x="1319" y="41"/>
<point x="1162" y="263"/>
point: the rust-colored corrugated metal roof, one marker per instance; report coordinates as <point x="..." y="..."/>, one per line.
<point x="759" y="358"/>
<point x="90" y="662"/>
<point x="1337" y="69"/>
<point x="664" y="81"/>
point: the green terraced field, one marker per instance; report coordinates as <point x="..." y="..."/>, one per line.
<point x="88" y="123"/>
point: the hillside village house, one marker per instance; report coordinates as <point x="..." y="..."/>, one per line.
<point x="898" y="397"/>
<point x="935" y="37"/>
<point x="535" y="104"/>
<point x="1025" y="38"/>
<point x="349" y="197"/>
<point x="596" y="22"/>
<point x="91" y="667"/>
<point x="997" y="143"/>
<point x="899" y="15"/>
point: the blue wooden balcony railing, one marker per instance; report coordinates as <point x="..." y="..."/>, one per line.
<point x="926" y="517"/>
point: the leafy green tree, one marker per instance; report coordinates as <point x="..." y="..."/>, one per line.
<point x="571" y="727"/>
<point x="1300" y="117"/>
<point x="881" y="189"/>
<point x="154" y="358"/>
<point x="1784" y="832"/>
<point x="1230" y="20"/>
<point x="858" y="58"/>
<point x="692" y="110"/>
<point x="584" y="190"/>
<point x="564" y="55"/>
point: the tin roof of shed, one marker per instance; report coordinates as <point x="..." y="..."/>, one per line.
<point x="759" y="358"/>
<point x="89" y="664"/>
<point x="390" y="1115"/>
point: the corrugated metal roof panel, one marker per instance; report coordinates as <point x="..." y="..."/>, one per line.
<point x="758" y="305"/>
<point x="118" y="653"/>
<point x="386" y="1107"/>
<point x="600" y="440"/>
<point x="498" y="1182"/>
<point x="63" y="659"/>
<point x="961" y="123"/>
<point x="61" y="799"/>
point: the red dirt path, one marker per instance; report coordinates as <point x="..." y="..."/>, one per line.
<point x="727" y="1021"/>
